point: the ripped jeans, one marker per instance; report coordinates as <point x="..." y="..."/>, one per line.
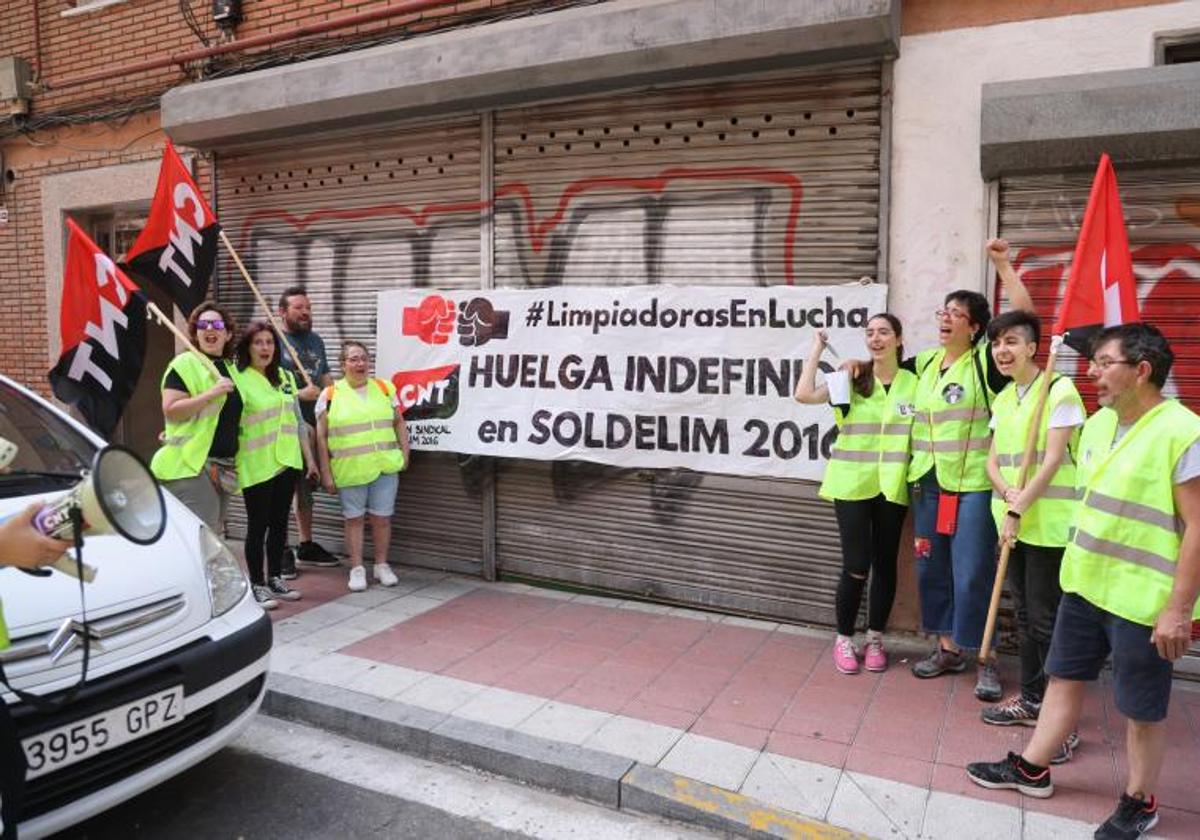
<point x="954" y="573"/>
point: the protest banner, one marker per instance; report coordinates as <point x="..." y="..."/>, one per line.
<point x="636" y="376"/>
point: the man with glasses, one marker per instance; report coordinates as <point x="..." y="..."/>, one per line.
<point x="1130" y="574"/>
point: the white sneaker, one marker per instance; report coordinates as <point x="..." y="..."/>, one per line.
<point x="358" y="579"/>
<point x="385" y="575"/>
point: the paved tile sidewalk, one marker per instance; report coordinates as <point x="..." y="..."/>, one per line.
<point x="749" y="706"/>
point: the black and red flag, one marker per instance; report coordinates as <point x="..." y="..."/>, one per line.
<point x="1101" y="290"/>
<point x="177" y="249"/>
<point x="103" y="327"/>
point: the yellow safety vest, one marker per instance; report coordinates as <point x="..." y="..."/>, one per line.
<point x="3" y="628"/>
<point x="185" y="445"/>
<point x="1048" y="520"/>
<point x="870" y="455"/>
<point x="362" y="437"/>
<point x="268" y="435"/>
<point x="950" y="430"/>
<point x="1125" y="544"/>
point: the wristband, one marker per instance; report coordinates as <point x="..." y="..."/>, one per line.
<point x="1014" y="514"/>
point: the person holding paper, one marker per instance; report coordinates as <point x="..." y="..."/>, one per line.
<point x="866" y="479"/>
<point x="1034" y="520"/>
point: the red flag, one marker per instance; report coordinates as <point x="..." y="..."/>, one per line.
<point x="1101" y="289"/>
<point x="177" y="249"/>
<point x="103" y="329"/>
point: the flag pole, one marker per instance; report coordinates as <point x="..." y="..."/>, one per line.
<point x="161" y="317"/>
<point x="267" y="308"/>
<point x="1027" y="459"/>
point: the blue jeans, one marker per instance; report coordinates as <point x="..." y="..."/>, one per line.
<point x="954" y="573"/>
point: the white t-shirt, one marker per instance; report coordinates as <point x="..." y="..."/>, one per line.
<point x="1066" y="415"/>
<point x="323" y="404"/>
<point x="1188" y="466"/>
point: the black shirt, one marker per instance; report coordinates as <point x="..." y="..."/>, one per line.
<point x="225" y="439"/>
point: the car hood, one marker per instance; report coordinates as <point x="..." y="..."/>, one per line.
<point x="127" y="576"/>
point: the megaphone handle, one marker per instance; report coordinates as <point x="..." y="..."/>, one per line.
<point x="67" y="566"/>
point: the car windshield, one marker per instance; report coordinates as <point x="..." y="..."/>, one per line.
<point x="50" y="453"/>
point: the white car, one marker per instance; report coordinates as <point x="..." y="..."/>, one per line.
<point x="178" y="654"/>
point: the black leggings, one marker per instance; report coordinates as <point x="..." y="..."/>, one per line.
<point x="1033" y="578"/>
<point x="870" y="531"/>
<point x="268" y="504"/>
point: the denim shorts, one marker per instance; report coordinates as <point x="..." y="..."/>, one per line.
<point x="377" y="498"/>
<point x="1085" y="635"/>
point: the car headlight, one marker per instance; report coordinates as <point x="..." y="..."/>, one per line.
<point x="226" y="582"/>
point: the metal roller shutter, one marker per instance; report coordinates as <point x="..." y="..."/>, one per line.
<point x="1041" y="216"/>
<point x="755" y="182"/>
<point x="350" y="214"/>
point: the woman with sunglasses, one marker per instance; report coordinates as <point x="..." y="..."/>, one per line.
<point x="271" y="456"/>
<point x="866" y="479"/>
<point x="202" y="412"/>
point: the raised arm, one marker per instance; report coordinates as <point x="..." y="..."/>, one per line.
<point x="1018" y="295"/>
<point x="807" y="391"/>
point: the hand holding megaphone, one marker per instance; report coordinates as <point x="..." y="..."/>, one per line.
<point x="119" y="495"/>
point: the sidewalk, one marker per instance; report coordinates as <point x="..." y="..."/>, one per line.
<point x="696" y="700"/>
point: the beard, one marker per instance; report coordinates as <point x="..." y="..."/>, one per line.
<point x="298" y="327"/>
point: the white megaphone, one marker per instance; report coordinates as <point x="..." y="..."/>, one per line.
<point x="119" y="495"/>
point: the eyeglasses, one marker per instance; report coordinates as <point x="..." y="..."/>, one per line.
<point x="356" y="359"/>
<point x="956" y="314"/>
<point x="1104" y="363"/>
<point x="214" y="324"/>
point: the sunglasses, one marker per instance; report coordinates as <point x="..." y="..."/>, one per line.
<point x="214" y="324"/>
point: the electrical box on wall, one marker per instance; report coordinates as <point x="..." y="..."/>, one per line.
<point x="14" y="85"/>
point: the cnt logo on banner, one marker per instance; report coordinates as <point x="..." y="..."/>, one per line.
<point x="637" y="376"/>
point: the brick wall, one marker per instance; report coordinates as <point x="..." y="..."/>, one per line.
<point x="133" y="31"/>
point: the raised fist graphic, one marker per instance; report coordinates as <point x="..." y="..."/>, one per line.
<point x="479" y="323"/>
<point x="432" y="321"/>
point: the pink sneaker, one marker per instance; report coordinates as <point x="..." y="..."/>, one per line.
<point x="875" y="655"/>
<point x="844" y="657"/>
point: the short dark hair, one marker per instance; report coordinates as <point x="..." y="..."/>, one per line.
<point x="979" y="311"/>
<point x="291" y="291"/>
<point x="1139" y="343"/>
<point x="1015" y="319"/>
<point x="242" y="354"/>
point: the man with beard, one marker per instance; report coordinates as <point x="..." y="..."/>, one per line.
<point x="295" y="311"/>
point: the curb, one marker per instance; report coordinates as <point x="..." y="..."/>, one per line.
<point x="618" y="783"/>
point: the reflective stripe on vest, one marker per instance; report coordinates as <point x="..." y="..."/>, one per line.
<point x="1123" y="552"/>
<point x="1047" y="521"/>
<point x="870" y="455"/>
<point x="186" y="444"/>
<point x="268" y="435"/>
<point x="950" y="429"/>
<point x="361" y="434"/>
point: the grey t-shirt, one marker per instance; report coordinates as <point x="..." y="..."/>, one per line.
<point x="311" y="349"/>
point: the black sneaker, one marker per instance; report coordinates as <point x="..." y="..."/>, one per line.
<point x="1067" y="751"/>
<point x="312" y="554"/>
<point x="1133" y="818"/>
<point x="1012" y="774"/>
<point x="281" y="591"/>
<point x="289" y="565"/>
<point x="941" y="661"/>
<point x="1016" y="711"/>
<point x="263" y="596"/>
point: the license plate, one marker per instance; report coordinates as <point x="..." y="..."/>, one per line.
<point x="57" y="748"/>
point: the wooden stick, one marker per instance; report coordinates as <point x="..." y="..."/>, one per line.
<point x="159" y="316"/>
<point x="1027" y="458"/>
<point x="267" y="308"/>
